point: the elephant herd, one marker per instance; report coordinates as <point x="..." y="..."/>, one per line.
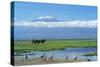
<point x="37" y="41"/>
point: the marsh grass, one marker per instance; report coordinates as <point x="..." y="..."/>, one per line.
<point x="26" y="46"/>
<point x="91" y="54"/>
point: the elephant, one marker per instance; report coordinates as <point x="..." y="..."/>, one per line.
<point x="35" y="41"/>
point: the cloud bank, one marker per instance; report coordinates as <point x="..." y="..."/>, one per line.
<point x="76" y="23"/>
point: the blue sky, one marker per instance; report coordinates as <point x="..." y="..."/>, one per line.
<point x="80" y="22"/>
<point x="29" y="11"/>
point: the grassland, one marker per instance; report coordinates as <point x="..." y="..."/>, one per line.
<point x="23" y="46"/>
<point x="91" y="54"/>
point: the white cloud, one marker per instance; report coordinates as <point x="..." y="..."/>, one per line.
<point x="42" y="17"/>
<point x="76" y="23"/>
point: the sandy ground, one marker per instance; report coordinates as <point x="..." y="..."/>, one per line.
<point x="39" y="61"/>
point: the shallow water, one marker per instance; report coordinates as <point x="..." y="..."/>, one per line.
<point x="61" y="54"/>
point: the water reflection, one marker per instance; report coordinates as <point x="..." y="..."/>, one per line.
<point x="61" y="54"/>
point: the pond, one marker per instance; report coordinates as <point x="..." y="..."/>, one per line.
<point x="61" y="54"/>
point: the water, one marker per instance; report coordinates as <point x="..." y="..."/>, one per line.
<point x="28" y="33"/>
<point x="61" y="54"/>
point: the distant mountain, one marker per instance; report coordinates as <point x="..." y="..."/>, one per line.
<point x="46" y="19"/>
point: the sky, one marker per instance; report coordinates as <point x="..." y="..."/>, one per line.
<point x="29" y="11"/>
<point x="37" y="20"/>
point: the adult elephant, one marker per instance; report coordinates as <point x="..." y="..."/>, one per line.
<point x="33" y="41"/>
<point x="43" y="41"/>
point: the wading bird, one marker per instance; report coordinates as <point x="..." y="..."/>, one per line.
<point x="75" y="58"/>
<point x="26" y="56"/>
<point x="42" y="56"/>
<point x="88" y="59"/>
<point x="50" y="58"/>
<point x="45" y="58"/>
<point x="66" y="57"/>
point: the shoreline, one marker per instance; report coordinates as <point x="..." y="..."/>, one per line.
<point x="38" y="61"/>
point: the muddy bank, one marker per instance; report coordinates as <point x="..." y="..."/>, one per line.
<point x="36" y="61"/>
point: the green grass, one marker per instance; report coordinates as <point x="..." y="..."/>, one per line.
<point x="91" y="54"/>
<point x="23" y="46"/>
